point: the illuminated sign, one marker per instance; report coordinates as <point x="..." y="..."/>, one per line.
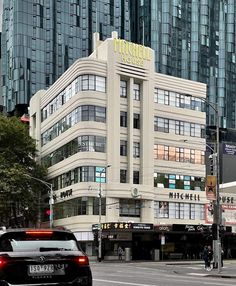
<point x="124" y="226"/>
<point x="132" y="53"/>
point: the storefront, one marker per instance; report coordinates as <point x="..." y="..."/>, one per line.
<point x="177" y="241"/>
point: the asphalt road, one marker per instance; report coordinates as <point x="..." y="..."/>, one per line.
<point x="156" y="274"/>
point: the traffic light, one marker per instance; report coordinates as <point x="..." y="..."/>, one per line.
<point x="214" y="231"/>
<point x="222" y="231"/>
<point x="95" y="238"/>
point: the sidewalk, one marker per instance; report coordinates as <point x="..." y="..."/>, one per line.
<point x="193" y="267"/>
<point x="228" y="271"/>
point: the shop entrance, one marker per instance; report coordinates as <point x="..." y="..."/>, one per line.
<point x="142" y="246"/>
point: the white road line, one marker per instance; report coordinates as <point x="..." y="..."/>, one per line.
<point x="123" y="283"/>
<point x="197" y="274"/>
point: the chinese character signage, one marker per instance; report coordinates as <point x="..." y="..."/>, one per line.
<point x="125" y="226"/>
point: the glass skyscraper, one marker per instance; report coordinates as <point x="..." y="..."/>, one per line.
<point x="192" y="39"/>
<point x="42" y="38"/>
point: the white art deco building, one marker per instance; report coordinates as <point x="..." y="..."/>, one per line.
<point x="110" y="123"/>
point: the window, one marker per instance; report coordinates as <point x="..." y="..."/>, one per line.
<point x="82" y="83"/>
<point x="130" y="208"/>
<point x="81" y="113"/>
<point x="123" y="119"/>
<point x="123" y="176"/>
<point x="96" y="206"/>
<point x="182" y="182"/>
<point x="136" y="121"/>
<point x="179" y="154"/>
<point x="136" y="150"/>
<point x="71" y="208"/>
<point x="136" y="95"/>
<point x="135" y="177"/>
<point x="123" y="148"/>
<point x="123" y="88"/>
<point x="161" y="124"/>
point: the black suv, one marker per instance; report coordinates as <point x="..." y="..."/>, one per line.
<point x="42" y="257"/>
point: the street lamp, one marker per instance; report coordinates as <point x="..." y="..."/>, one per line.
<point x="100" y="214"/>
<point x="216" y="206"/>
<point x="51" y="200"/>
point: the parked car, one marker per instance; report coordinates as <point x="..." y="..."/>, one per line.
<point x="42" y="257"/>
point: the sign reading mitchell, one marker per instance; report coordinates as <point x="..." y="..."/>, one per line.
<point x="132" y="53"/>
<point x="183" y="196"/>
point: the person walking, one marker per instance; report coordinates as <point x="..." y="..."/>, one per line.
<point x="205" y="256"/>
<point x="120" y="253"/>
<point x="222" y="257"/>
<point x="210" y="257"/>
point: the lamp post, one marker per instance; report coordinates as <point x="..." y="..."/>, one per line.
<point x="100" y="215"/>
<point x="51" y="200"/>
<point x="216" y="206"/>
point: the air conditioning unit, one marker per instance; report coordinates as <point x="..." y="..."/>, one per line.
<point x="134" y="192"/>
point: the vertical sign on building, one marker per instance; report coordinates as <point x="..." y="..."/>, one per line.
<point x="211" y="187"/>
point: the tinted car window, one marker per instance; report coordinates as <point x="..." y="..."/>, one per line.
<point x="36" y="241"/>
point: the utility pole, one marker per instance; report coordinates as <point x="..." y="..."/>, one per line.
<point x="100" y="214"/>
<point x="51" y="200"/>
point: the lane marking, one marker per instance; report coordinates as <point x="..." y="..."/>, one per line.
<point x="124" y="283"/>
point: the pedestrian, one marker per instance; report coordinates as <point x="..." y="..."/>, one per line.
<point x="205" y="256"/>
<point x="222" y="257"/>
<point x="120" y="252"/>
<point x="229" y="255"/>
<point x="210" y="257"/>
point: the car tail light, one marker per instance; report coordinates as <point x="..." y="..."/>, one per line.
<point x="39" y="232"/>
<point x="2" y="261"/>
<point x="82" y="260"/>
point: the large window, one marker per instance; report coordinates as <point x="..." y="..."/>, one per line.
<point x="178" y="100"/>
<point x="130" y="208"/>
<point x="85" y="143"/>
<point x="70" y="208"/>
<point x="179" y="154"/>
<point x="184" y="182"/>
<point x="179" y="127"/>
<point x="80" y="174"/>
<point x="82" y="83"/>
<point x="174" y="210"/>
<point x="81" y="113"/>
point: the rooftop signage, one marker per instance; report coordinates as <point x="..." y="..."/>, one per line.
<point x="132" y="53"/>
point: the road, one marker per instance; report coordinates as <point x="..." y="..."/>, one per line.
<point x="155" y="274"/>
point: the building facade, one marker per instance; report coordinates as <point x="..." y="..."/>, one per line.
<point x="112" y="126"/>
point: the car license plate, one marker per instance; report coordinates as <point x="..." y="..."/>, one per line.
<point x="41" y="269"/>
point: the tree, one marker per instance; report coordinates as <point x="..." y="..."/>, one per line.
<point x="20" y="196"/>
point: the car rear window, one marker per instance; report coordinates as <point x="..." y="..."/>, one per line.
<point x="37" y="241"/>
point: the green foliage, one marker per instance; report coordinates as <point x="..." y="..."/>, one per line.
<point x="19" y="194"/>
